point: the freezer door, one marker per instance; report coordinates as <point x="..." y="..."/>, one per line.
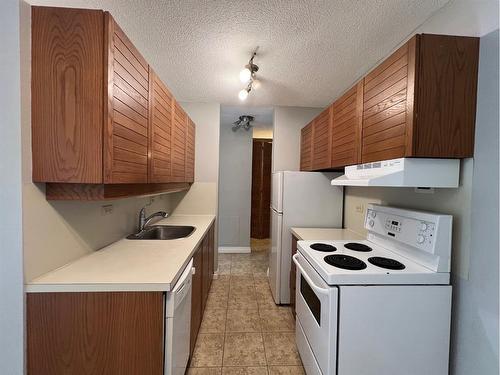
<point x="275" y="254"/>
<point x="277" y="192"/>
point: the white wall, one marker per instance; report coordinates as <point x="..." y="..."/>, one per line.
<point x="286" y="135"/>
<point x="474" y="205"/>
<point x="11" y="266"/>
<point x="235" y="186"/>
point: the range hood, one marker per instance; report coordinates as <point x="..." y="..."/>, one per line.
<point x="403" y="172"/>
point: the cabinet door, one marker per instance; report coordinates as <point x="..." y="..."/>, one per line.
<point x="306" y="135"/>
<point x="206" y="270"/>
<point x="385" y="93"/>
<point x="67" y="94"/>
<point x="347" y="114"/>
<point x="127" y="109"/>
<point x="321" y="141"/>
<point x="160" y="122"/>
<point x="179" y="132"/>
<point x="196" y="297"/>
<point x="190" y="144"/>
<point x="211" y="254"/>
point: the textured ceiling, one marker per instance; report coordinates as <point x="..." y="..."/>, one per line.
<point x="309" y="51"/>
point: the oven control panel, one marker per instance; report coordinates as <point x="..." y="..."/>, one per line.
<point x="410" y="229"/>
<point x="423" y="236"/>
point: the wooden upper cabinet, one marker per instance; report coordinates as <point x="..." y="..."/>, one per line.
<point x="347" y="113"/>
<point x="421" y="101"/>
<point x="179" y="136"/>
<point x="126" y="131"/>
<point x="67" y="95"/>
<point x="306" y="136"/>
<point x="190" y="146"/>
<point x="160" y="130"/>
<point x="321" y="141"/>
<point x="100" y="115"/>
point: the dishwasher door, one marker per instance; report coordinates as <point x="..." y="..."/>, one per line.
<point x="178" y="324"/>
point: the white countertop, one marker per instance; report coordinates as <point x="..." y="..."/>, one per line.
<point x="129" y="265"/>
<point x="332" y="234"/>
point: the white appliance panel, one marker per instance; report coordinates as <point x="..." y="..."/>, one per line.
<point x="316" y="308"/>
<point x="306" y="355"/>
<point x="178" y="324"/>
<point x="394" y="330"/>
<point x="275" y="254"/>
<point x="308" y="201"/>
<point x="277" y="192"/>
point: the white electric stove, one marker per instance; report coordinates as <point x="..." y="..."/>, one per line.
<point x="378" y="306"/>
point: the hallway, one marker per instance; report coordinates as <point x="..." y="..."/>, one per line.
<point x="243" y="332"/>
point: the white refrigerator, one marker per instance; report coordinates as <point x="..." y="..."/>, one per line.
<point x="298" y="199"/>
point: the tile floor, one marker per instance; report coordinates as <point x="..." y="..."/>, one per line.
<point x="243" y="332"/>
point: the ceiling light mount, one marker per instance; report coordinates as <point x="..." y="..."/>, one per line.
<point x="244" y="122"/>
<point x="248" y="75"/>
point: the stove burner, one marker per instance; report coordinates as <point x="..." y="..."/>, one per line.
<point x="323" y="247"/>
<point x="388" y="263"/>
<point x="346" y="262"/>
<point x="354" y="246"/>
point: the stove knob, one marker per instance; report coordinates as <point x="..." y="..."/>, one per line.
<point x="420" y="239"/>
<point x="373" y="213"/>
<point x="423" y="226"/>
<point x="371" y="223"/>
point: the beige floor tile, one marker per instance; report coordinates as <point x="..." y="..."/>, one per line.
<point x="276" y="320"/>
<point x="244" y="349"/>
<point x="224" y="269"/>
<point x="286" y="370"/>
<point x="241" y="268"/>
<point x="241" y="257"/>
<point x="208" y="350"/>
<point x="280" y="349"/>
<point x="222" y="278"/>
<point x="261" y="280"/>
<point x="204" y="371"/>
<point x="224" y="256"/>
<point x="217" y="301"/>
<point x="262" y="370"/>
<point x="245" y="320"/>
<point x="241" y="280"/>
<point x="214" y="321"/>
<point x="265" y="298"/>
<point x="220" y="286"/>
<point x="242" y="301"/>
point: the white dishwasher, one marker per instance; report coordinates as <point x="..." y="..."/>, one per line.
<point x="178" y="324"/>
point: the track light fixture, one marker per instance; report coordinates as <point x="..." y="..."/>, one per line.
<point x="248" y="76"/>
<point x="244" y="122"/>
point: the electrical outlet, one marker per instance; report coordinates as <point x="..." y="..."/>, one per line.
<point x="106" y="209"/>
<point x="360" y="208"/>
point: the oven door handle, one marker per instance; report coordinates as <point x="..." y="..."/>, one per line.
<point x="308" y="279"/>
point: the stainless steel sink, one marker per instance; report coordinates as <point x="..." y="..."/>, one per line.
<point x="163" y="232"/>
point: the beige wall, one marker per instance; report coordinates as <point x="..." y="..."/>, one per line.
<point x="263" y="131"/>
<point x="286" y="135"/>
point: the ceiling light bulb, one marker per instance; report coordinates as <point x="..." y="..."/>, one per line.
<point x="255" y="84"/>
<point x="245" y="75"/>
<point x="243" y="94"/>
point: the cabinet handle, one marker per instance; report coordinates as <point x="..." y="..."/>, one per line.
<point x="193" y="270"/>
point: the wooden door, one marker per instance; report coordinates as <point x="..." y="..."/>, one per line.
<point x="127" y="109"/>
<point x="347" y="115"/>
<point x="113" y="333"/>
<point x="321" y="142"/>
<point x="179" y="133"/>
<point x="190" y="146"/>
<point x="211" y="255"/>
<point x="67" y="94"/>
<point x="196" y="296"/>
<point x="261" y="188"/>
<point x="385" y="118"/>
<point x="306" y="136"/>
<point x="160" y="129"/>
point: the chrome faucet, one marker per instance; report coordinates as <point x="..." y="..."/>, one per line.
<point x="144" y="221"/>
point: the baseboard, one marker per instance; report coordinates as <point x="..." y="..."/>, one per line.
<point x="234" y="249"/>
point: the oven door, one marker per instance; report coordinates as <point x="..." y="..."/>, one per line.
<point x="316" y="308"/>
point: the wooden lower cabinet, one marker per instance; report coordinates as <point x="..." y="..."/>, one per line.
<point x="112" y="333"/>
<point x="203" y="262"/>
<point x="293" y="276"/>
